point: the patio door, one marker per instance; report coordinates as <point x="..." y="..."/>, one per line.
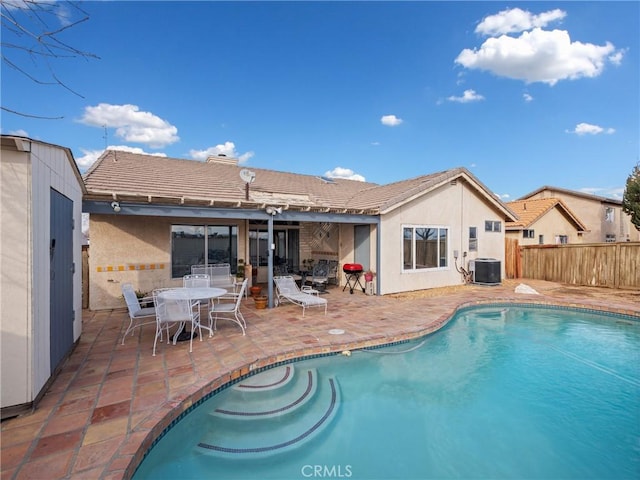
<point x="287" y="250"/>
<point x="362" y="245"/>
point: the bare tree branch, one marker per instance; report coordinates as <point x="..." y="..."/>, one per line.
<point x="32" y="31"/>
<point x="29" y="115"/>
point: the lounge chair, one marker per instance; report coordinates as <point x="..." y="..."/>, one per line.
<point x="138" y="316"/>
<point x="287" y="290"/>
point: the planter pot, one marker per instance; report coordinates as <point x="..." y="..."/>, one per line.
<point x="255" y="291"/>
<point x="368" y="278"/>
<point x="260" y="301"/>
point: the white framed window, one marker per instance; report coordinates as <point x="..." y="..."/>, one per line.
<point x="610" y="238"/>
<point x="528" y="234"/>
<point x="562" y="239"/>
<point x="473" y="239"/>
<point x="609" y="215"/>
<point x="492" y="226"/>
<point x="424" y="247"/>
<point x="540" y="239"/>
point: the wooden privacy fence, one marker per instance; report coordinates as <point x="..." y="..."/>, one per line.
<point x="512" y="258"/>
<point x="615" y="265"/>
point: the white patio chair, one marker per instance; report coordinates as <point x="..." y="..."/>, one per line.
<point x="171" y="311"/>
<point x="219" y="275"/>
<point x="287" y="290"/>
<point x="138" y="316"/>
<point x="197" y="280"/>
<point x="229" y="310"/>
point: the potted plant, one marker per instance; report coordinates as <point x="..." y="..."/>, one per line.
<point x="307" y="263"/>
<point x="260" y="301"/>
<point x="255" y="290"/>
<point x="144" y="299"/>
<point x="240" y="270"/>
<point x="368" y="275"/>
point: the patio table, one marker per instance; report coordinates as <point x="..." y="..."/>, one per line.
<point x="191" y="293"/>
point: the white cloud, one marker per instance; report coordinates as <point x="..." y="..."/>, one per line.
<point x="227" y="148"/>
<point x="90" y="156"/>
<point x="535" y="55"/>
<point x="467" y="96"/>
<point x="516" y="20"/>
<point x="589" y="129"/>
<point x="527" y="98"/>
<point x="390" y="120"/>
<point x="503" y="196"/>
<point x="131" y="124"/>
<point x="347" y="173"/>
<point x="617" y="57"/>
<point x="19" y="133"/>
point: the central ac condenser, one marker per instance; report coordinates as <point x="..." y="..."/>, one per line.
<point x="486" y="271"/>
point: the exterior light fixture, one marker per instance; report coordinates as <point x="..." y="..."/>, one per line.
<point x="273" y="210"/>
<point x="115" y="206"/>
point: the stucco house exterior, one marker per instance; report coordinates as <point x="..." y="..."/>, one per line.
<point x="152" y="217"/>
<point x="544" y="221"/>
<point x="41" y="193"/>
<point x="603" y="217"/>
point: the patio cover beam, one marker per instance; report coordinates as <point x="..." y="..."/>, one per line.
<point x="103" y="207"/>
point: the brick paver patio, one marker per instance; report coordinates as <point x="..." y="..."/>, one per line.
<point x="110" y="401"/>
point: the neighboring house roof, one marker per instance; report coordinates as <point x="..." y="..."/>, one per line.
<point x="138" y="178"/>
<point x="531" y="210"/>
<point x="565" y="191"/>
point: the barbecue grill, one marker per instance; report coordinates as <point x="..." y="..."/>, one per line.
<point x="352" y="272"/>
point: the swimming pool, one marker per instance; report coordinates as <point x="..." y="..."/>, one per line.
<point x="500" y="392"/>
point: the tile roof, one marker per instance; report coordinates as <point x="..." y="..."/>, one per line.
<point x="531" y="210"/>
<point x="588" y="196"/>
<point x="138" y="178"/>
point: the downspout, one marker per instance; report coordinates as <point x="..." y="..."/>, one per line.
<point x="378" y="254"/>
<point x="270" y="261"/>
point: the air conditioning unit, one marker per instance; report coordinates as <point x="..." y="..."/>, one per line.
<point x="486" y="271"/>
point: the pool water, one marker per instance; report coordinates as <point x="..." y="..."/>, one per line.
<point x="500" y="392"/>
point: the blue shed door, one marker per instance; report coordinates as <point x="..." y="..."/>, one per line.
<point x="61" y="313"/>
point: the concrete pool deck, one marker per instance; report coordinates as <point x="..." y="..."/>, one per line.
<point x="110" y="401"/>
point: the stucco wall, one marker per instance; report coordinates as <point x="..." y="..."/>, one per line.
<point x="454" y="206"/>
<point x="136" y="250"/>
<point x="121" y="245"/>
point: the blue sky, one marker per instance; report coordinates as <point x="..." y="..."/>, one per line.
<point x="523" y="94"/>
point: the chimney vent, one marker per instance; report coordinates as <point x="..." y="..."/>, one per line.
<point x="222" y="159"/>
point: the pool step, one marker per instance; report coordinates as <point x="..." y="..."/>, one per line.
<point x="266" y="402"/>
<point x="271" y="379"/>
<point x="264" y="423"/>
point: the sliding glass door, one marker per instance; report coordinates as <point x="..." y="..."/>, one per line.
<point x="287" y="250"/>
